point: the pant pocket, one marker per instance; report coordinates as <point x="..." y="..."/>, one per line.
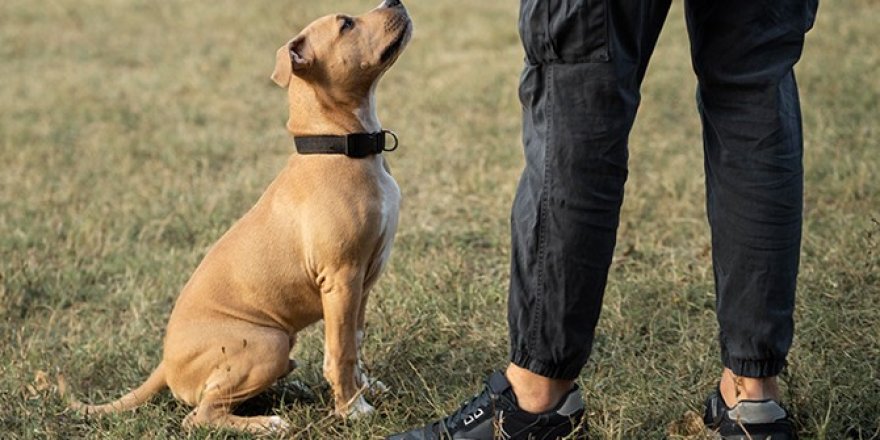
<point x="812" y="7"/>
<point x="566" y="31"/>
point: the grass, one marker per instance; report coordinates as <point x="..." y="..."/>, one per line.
<point x="133" y="133"/>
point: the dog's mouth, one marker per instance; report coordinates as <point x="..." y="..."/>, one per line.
<point x="395" y="45"/>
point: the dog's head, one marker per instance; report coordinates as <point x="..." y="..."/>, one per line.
<point x="346" y="53"/>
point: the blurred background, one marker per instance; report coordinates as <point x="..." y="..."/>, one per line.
<point x="133" y="133"/>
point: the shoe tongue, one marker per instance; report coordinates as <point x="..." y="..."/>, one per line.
<point x="498" y="384"/>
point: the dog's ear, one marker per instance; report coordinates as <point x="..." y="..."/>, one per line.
<point x="293" y="56"/>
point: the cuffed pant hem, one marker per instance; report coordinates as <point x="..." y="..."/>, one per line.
<point x="755" y="368"/>
<point x="541" y="368"/>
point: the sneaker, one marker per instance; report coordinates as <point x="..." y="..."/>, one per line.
<point x="748" y="420"/>
<point x="494" y="414"/>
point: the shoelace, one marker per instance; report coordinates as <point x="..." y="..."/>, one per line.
<point x="468" y="408"/>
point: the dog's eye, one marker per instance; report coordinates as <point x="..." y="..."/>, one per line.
<point x="347" y="23"/>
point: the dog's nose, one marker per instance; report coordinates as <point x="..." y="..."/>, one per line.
<point x="392" y="3"/>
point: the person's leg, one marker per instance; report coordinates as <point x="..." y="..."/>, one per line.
<point x="743" y="54"/>
<point x="579" y="91"/>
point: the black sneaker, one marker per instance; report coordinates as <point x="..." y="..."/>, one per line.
<point x="748" y="420"/>
<point x="493" y="414"/>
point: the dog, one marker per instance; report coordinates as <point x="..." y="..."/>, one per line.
<point x="311" y="248"/>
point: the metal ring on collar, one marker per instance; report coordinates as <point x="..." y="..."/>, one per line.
<point x="394" y="136"/>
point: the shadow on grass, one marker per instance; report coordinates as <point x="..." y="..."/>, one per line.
<point x="282" y="396"/>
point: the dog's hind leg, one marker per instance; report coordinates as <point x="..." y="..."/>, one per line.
<point x="212" y="411"/>
<point x="247" y="370"/>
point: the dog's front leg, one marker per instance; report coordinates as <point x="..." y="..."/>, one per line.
<point x="373" y="386"/>
<point x="341" y="297"/>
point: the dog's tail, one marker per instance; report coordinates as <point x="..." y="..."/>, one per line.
<point x="137" y="397"/>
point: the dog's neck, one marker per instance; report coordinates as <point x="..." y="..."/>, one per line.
<point x="314" y="112"/>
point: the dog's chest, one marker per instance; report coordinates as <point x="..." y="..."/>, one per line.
<point x="389" y="204"/>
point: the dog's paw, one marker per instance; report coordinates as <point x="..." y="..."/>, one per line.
<point x="374" y="386"/>
<point x="359" y="409"/>
<point x="377" y="387"/>
<point x="276" y="424"/>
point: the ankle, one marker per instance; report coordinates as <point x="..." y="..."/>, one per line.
<point x="535" y="393"/>
<point x="737" y="388"/>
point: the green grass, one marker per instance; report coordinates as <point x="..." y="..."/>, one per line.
<point x="133" y="133"/>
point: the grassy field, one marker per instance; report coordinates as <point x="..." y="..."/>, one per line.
<point x="134" y="132"/>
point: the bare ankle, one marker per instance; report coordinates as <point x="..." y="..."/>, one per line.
<point x="736" y="388"/>
<point x="536" y="393"/>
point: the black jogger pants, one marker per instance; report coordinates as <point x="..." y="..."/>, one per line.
<point x="585" y="61"/>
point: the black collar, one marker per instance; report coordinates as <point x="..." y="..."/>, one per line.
<point x="355" y="145"/>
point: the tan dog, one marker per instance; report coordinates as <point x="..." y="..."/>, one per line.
<point x="311" y="248"/>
